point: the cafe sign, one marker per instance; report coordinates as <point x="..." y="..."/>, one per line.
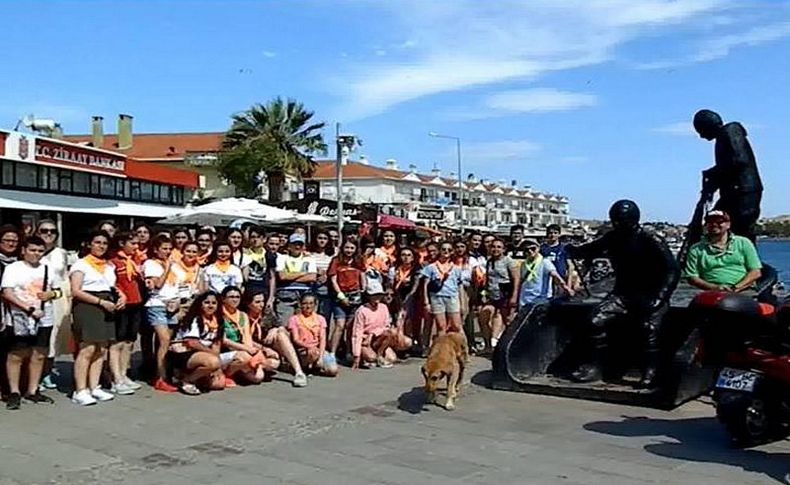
<point x="424" y="214"/>
<point x="317" y="208"/>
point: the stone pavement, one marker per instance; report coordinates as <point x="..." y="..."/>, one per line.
<point x="370" y="427"/>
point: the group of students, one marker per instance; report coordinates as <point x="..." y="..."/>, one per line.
<point x="212" y="309"/>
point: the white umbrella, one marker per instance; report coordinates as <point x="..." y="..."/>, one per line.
<point x="224" y="211"/>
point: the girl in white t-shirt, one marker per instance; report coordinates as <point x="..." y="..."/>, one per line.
<point x="235" y="238"/>
<point x="222" y="273"/>
<point x="162" y="303"/>
<point x="93" y="311"/>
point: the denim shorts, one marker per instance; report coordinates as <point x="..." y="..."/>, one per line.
<point x="445" y="304"/>
<point x="344" y="312"/>
<point x="157" y="316"/>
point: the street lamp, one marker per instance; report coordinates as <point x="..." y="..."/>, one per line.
<point x="460" y="182"/>
<point x="344" y="145"/>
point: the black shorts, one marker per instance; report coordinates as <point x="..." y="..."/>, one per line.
<point x="127" y="323"/>
<point x="39" y="340"/>
<point x="179" y="360"/>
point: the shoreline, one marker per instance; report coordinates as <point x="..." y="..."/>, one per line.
<point x="773" y="239"/>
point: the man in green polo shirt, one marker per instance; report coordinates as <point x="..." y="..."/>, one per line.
<point x="722" y="260"/>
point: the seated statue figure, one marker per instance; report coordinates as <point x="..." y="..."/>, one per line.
<point x="646" y="274"/>
<point x="722" y="260"/>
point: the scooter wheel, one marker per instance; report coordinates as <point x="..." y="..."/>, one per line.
<point x="746" y="417"/>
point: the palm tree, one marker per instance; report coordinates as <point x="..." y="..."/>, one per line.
<point x="278" y="139"/>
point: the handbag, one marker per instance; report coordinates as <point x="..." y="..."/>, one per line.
<point x="23" y="324"/>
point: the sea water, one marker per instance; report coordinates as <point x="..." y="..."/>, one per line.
<point x="777" y="254"/>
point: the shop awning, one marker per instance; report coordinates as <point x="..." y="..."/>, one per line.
<point x="387" y="221"/>
<point x="34" y="201"/>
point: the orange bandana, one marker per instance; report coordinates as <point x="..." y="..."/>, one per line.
<point x="140" y="256"/>
<point x="190" y="273"/>
<point x="212" y="323"/>
<point x="310" y="324"/>
<point x="390" y="252"/>
<point x="444" y="269"/>
<point x="202" y="259"/>
<point x="98" y="264"/>
<point x="401" y="275"/>
<point x="223" y="266"/>
<point x="176" y="255"/>
<point x="131" y="268"/>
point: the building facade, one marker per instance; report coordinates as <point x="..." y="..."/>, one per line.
<point x="432" y="198"/>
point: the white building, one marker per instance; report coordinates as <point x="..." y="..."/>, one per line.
<point x="486" y="203"/>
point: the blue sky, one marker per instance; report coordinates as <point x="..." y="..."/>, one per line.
<point x="590" y="99"/>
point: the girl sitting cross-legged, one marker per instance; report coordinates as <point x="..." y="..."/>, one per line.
<point x="308" y="332"/>
<point x="194" y="352"/>
<point x="240" y="357"/>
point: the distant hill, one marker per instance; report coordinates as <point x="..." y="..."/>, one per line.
<point x="782" y="218"/>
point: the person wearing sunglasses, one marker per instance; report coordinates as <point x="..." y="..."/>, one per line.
<point x="56" y="259"/>
<point x="537" y="273"/>
<point x="9" y="253"/>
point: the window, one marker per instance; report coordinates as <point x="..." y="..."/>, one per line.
<point x="122" y="189"/>
<point x="26" y="175"/>
<point x="43" y="177"/>
<point x="65" y="181"/>
<point x="54" y="177"/>
<point x="8" y="173"/>
<point x="94" y="184"/>
<point x="146" y="191"/>
<point x="81" y="182"/>
<point x="107" y="188"/>
<point x="134" y="190"/>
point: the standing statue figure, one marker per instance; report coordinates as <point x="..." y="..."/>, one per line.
<point x="646" y="274"/>
<point x="734" y="175"/>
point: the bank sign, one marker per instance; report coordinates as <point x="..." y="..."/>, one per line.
<point x="30" y="148"/>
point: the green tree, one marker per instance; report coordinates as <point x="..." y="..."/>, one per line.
<point x="278" y="139"/>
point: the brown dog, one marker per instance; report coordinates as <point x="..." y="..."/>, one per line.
<point x="449" y="354"/>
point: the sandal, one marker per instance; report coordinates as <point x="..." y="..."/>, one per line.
<point x="190" y="389"/>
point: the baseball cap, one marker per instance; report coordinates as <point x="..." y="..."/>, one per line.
<point x="296" y="238"/>
<point x="529" y="242"/>
<point x="717" y="214"/>
<point x="374" y="287"/>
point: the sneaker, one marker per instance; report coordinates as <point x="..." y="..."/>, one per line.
<point x="300" y="380"/>
<point x="101" y="395"/>
<point x="164" y="386"/>
<point x="494" y="341"/>
<point x="131" y="384"/>
<point x="384" y="363"/>
<point x="83" y="398"/>
<point x="47" y="383"/>
<point x="14" y="401"/>
<point x="229" y="382"/>
<point x="39" y="398"/>
<point x="122" y="389"/>
<point x="190" y="389"/>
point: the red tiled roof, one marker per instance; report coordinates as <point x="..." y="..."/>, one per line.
<point x="159" y="146"/>
<point x="326" y="169"/>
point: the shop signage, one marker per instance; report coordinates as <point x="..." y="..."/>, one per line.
<point x="48" y="151"/>
<point x="424" y="214"/>
<point x="322" y="209"/>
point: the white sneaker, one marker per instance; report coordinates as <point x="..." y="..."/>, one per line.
<point x="494" y="341"/>
<point x="102" y="395"/>
<point x="122" y="389"/>
<point x="300" y="380"/>
<point x="83" y="398"/>
<point x="131" y="384"/>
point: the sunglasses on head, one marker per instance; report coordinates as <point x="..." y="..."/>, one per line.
<point x="48" y="231"/>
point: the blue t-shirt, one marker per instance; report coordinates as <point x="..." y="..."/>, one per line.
<point x="451" y="284"/>
<point x="558" y="255"/>
<point x="537" y="288"/>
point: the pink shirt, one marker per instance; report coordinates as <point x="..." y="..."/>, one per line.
<point x="368" y="322"/>
<point x="307" y="332"/>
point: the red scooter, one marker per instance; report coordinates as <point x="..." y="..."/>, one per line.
<point x="751" y="343"/>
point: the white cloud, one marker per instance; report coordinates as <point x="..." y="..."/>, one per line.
<point x="718" y="47"/>
<point x="269" y="54"/>
<point x="465" y="43"/>
<point x="380" y="52"/>
<point x="537" y="100"/>
<point x="679" y="128"/>
<point x="482" y="153"/>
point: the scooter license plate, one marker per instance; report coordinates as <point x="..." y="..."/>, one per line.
<point x="736" y="379"/>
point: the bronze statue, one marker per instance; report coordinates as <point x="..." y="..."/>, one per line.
<point x="646" y="274"/>
<point x="734" y="175"/>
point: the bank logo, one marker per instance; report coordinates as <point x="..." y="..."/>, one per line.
<point x="24" y="148"/>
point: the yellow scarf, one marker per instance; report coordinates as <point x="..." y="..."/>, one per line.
<point x="98" y="264"/>
<point x="223" y="266"/>
<point x="131" y="268"/>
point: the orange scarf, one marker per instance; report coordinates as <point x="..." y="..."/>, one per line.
<point x="234" y="317"/>
<point x="212" y="323"/>
<point x="310" y="324"/>
<point x="190" y="272"/>
<point x="390" y="252"/>
<point x="98" y="264"/>
<point x="202" y="259"/>
<point x="402" y="274"/>
<point x="131" y="268"/>
<point x="140" y="255"/>
<point x="176" y="255"/>
<point x="444" y="269"/>
<point x="223" y="266"/>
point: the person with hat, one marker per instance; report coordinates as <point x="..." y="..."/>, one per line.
<point x="537" y="273"/>
<point x="296" y="273"/>
<point x="373" y="339"/>
<point x="722" y="260"/>
<point x="646" y="274"/>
